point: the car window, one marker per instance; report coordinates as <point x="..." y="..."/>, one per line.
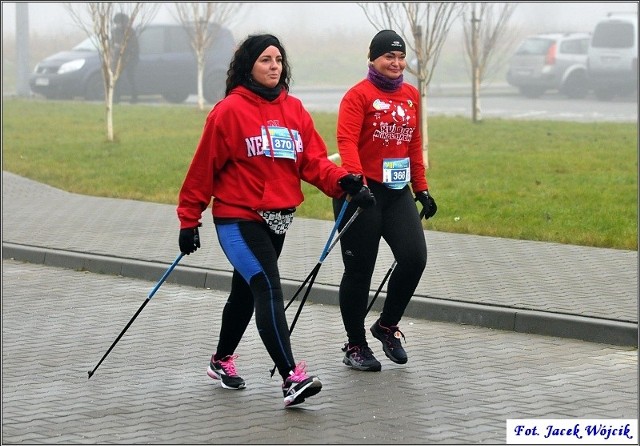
<point x="534" y="46"/>
<point x="88" y="44"/>
<point x="613" y="35"/>
<point x="178" y="41"/>
<point x="574" y="46"/>
<point x="151" y="41"/>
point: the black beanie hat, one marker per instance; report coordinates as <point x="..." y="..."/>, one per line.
<point x="255" y="45"/>
<point x="384" y="42"/>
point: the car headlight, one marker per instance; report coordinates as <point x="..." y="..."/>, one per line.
<point x="73" y="65"/>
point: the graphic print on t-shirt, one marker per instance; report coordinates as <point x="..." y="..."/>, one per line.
<point x="395" y="121"/>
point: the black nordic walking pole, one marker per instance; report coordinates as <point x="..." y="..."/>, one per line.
<point x="375" y="296"/>
<point x="146" y="301"/>
<point x="316" y="269"/>
<point x="312" y="276"/>
<point x="325" y="252"/>
<point x="386" y="276"/>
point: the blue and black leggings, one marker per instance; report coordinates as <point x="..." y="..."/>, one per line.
<point x="253" y="250"/>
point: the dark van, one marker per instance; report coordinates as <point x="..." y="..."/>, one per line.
<point x="167" y="67"/>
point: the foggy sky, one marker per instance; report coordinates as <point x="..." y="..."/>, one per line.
<point x="322" y="17"/>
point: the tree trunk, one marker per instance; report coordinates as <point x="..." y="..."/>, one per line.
<point x="22" y="49"/>
<point x="424" y="127"/>
<point x="475" y="67"/>
<point x="109" y="108"/>
<point x="200" y="58"/>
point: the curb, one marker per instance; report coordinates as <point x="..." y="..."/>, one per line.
<point x="590" y="329"/>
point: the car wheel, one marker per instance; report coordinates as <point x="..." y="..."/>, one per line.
<point x="532" y="92"/>
<point x="576" y="86"/>
<point x="214" y="86"/>
<point x="94" y="88"/>
<point x="175" y="97"/>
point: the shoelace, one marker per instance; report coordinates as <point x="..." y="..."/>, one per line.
<point x="228" y="365"/>
<point x="298" y="374"/>
<point x="392" y="332"/>
<point x="363" y="351"/>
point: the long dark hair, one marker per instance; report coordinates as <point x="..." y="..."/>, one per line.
<point x="244" y="58"/>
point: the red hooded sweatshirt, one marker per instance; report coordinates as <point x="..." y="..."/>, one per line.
<point x="234" y="162"/>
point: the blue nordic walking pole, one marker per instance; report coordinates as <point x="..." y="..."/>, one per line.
<point x="146" y="301"/>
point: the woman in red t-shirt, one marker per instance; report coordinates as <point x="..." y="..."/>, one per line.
<point x="379" y="137"/>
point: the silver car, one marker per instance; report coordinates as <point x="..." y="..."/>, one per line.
<point x="552" y="61"/>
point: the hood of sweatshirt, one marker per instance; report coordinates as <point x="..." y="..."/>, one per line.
<point x="262" y="104"/>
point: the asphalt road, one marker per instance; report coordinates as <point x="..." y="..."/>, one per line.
<point x="498" y="103"/>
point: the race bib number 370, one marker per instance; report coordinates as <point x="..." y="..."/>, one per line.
<point x="281" y="140"/>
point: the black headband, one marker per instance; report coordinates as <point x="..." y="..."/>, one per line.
<point x="257" y="44"/>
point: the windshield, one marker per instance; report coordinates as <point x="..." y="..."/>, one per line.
<point x="88" y="44"/>
<point x="534" y="46"/>
<point x="613" y="35"/>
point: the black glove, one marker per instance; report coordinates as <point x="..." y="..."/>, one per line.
<point x="189" y="240"/>
<point x="351" y="183"/>
<point x="364" y="198"/>
<point x="428" y="204"/>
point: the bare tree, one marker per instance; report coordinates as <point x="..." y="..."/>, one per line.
<point x="428" y="25"/>
<point x="96" y="19"/>
<point x="197" y="18"/>
<point x="486" y="43"/>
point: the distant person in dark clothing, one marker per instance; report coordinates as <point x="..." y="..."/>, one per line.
<point x="125" y="45"/>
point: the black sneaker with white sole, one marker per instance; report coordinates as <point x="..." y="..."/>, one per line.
<point x="298" y="386"/>
<point x="225" y="371"/>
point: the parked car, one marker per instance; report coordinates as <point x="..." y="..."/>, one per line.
<point x="613" y="56"/>
<point x="551" y="61"/>
<point x="167" y="67"/>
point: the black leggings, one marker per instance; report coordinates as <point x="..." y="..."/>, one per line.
<point x="395" y="218"/>
<point x="253" y="250"/>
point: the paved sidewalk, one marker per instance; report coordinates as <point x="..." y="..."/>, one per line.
<point x="75" y="269"/>
<point x="460" y="385"/>
<point x="532" y="287"/>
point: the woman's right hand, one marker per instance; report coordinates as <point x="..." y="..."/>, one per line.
<point x="351" y="183"/>
<point x="189" y="240"/>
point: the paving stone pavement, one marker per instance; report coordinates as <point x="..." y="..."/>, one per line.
<point x="76" y="269"/>
<point x="533" y="287"/>
<point x="460" y="385"/>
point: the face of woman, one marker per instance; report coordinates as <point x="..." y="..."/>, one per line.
<point x="391" y="64"/>
<point x="268" y="67"/>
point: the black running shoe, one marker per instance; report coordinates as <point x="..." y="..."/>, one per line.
<point x="225" y="370"/>
<point x="299" y="386"/>
<point x="390" y="338"/>
<point x="360" y="357"/>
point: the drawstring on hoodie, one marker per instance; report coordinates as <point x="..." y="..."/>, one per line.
<point x="293" y="140"/>
<point x="266" y="127"/>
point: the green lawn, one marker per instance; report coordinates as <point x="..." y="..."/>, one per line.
<point x="564" y="182"/>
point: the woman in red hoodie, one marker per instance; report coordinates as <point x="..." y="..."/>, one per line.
<point x="257" y="145"/>
<point x="379" y="137"/>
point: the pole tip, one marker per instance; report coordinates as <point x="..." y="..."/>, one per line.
<point x="90" y="374"/>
